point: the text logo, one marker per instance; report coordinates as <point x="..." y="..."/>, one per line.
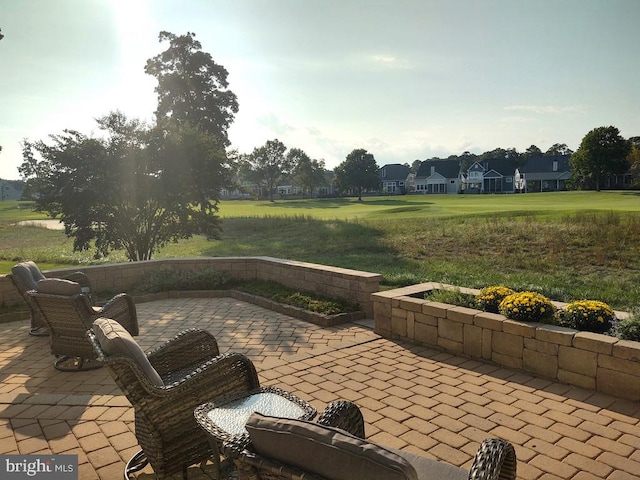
<point x="39" y="467"/>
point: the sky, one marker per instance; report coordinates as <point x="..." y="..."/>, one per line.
<point x="403" y="79"/>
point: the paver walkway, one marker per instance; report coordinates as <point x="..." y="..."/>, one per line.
<point x="413" y="398"/>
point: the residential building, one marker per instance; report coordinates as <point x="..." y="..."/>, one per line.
<point x="10" y="190"/>
<point x="394" y="177"/>
<point x="543" y="173"/>
<point x="489" y="176"/>
<point x="437" y="176"/>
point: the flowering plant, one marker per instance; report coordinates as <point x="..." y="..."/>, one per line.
<point x="587" y="315"/>
<point x="528" y="307"/>
<point x="489" y="298"/>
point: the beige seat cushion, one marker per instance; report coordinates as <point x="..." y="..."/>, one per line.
<point x="58" y="286"/>
<point x="115" y="340"/>
<point x="325" y="451"/>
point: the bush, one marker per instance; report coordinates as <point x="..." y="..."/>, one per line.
<point x="453" y="297"/>
<point x="169" y="279"/>
<point x="528" y="307"/>
<point x="307" y="300"/>
<point x="629" y="328"/>
<point x="489" y="298"/>
<point x="587" y="315"/>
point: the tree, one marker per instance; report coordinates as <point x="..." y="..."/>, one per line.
<point x="602" y="152"/>
<point x="532" y="151"/>
<point x="634" y="161"/>
<point x="192" y="86"/>
<point x="359" y="171"/>
<point x="267" y="165"/>
<point x="193" y="97"/>
<point x="127" y="189"/>
<point x="308" y="173"/>
<point x="1" y="35"/>
<point x="559" y="149"/>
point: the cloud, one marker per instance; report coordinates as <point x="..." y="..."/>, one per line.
<point x="547" y="109"/>
<point x="390" y="62"/>
<point x="273" y="123"/>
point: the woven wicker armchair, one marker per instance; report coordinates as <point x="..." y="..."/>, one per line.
<point x="494" y="460"/>
<point x="68" y="317"/>
<point x="192" y="372"/>
<point x="25" y="277"/>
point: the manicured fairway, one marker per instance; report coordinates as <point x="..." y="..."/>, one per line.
<point x="408" y="206"/>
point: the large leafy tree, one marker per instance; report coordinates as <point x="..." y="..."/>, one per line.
<point x="532" y="151"/>
<point x="359" y="172"/>
<point x="267" y="165"/>
<point x="602" y="152"/>
<point x="634" y="161"/>
<point x="129" y="188"/>
<point x="559" y="149"/>
<point x="308" y="173"/>
<point x="192" y="87"/>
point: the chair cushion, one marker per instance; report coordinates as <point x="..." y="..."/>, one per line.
<point x="28" y="273"/>
<point x="115" y="340"/>
<point x="429" y="469"/>
<point x="325" y="451"/>
<point x="58" y="286"/>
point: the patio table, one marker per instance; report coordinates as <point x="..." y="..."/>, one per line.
<point x="225" y="419"/>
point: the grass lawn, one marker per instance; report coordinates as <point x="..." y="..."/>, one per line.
<point x="408" y="206"/>
<point x="568" y="245"/>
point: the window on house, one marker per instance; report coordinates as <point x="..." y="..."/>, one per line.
<point x="555" y="165"/>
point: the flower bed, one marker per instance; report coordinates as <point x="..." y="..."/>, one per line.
<point x="584" y="359"/>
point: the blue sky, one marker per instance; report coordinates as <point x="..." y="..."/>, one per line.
<point x="404" y="79"/>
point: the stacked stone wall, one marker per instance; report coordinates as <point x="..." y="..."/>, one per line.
<point x="588" y="360"/>
<point x="350" y="285"/>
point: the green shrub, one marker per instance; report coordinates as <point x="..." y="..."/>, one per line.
<point x="167" y="278"/>
<point x="629" y="328"/>
<point x="587" y="315"/>
<point x="528" y="307"/>
<point x="307" y="300"/>
<point x="489" y="298"/>
<point x="452" y="297"/>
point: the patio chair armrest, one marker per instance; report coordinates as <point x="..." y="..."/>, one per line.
<point x="122" y="309"/>
<point x="345" y="415"/>
<point x="229" y="374"/>
<point x="78" y="277"/>
<point x="190" y="347"/>
<point x="219" y="377"/>
<point x="494" y="460"/>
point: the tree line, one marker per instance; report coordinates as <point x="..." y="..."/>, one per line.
<point x="136" y="186"/>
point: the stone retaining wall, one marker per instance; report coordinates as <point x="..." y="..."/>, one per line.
<point x="584" y="359"/>
<point x="341" y="283"/>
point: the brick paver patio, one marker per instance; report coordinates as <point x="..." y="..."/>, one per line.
<point x="413" y="398"/>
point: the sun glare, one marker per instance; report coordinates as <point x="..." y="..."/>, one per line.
<point x="137" y="39"/>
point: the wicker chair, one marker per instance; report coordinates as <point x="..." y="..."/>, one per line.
<point x="25" y="277"/>
<point x="192" y="372"/>
<point x="494" y="460"/>
<point x="68" y="317"/>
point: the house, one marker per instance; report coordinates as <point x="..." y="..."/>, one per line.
<point x="394" y="178"/>
<point x="490" y="176"/>
<point x="543" y="173"/>
<point x="11" y="189"/>
<point x="437" y="176"/>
